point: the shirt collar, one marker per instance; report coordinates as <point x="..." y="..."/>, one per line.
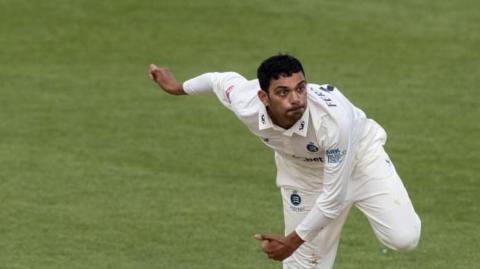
<point x="300" y="127"/>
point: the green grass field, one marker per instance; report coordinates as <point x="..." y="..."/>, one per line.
<point x="99" y="169"/>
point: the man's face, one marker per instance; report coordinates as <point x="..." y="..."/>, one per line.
<point x="286" y="99"/>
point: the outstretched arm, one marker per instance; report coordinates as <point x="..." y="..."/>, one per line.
<point x="164" y="78"/>
<point x="223" y="84"/>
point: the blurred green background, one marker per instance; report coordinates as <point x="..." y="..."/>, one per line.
<point x="99" y="169"/>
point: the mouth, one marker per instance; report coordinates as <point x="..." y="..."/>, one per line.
<point x="296" y="109"/>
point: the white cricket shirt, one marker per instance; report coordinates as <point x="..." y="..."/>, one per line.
<point x="316" y="153"/>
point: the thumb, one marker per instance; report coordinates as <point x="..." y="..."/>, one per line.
<point x="151" y="71"/>
<point x="259" y="237"/>
<point x="264" y="237"/>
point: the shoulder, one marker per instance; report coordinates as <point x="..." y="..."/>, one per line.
<point x="243" y="98"/>
<point x="322" y="92"/>
<point x="224" y="80"/>
<point x="228" y="75"/>
<point x="327" y="99"/>
<point x="331" y="111"/>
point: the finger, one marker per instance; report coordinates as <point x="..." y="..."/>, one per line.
<point x="274" y="257"/>
<point x="151" y="72"/>
<point x="258" y="237"/>
<point x="263" y="237"/>
<point x="265" y="246"/>
<point x="268" y="237"/>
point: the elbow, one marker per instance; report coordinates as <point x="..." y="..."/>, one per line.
<point x="333" y="201"/>
<point x="332" y="209"/>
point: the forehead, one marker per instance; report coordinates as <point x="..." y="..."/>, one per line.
<point x="290" y="81"/>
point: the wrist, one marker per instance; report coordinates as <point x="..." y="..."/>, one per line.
<point x="175" y="89"/>
<point x="293" y="240"/>
<point x="179" y="89"/>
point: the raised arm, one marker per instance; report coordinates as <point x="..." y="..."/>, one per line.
<point x="222" y="84"/>
<point x="165" y="79"/>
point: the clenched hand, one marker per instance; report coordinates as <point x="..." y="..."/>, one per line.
<point x="278" y="247"/>
<point x="164" y="78"/>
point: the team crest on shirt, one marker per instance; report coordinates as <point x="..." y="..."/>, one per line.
<point x="296" y="201"/>
<point x="295" y="198"/>
<point x="311" y="147"/>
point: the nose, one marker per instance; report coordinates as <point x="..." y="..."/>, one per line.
<point x="295" y="98"/>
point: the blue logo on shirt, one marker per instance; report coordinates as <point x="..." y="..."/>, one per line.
<point x="328" y="88"/>
<point x="311" y="147"/>
<point x="324" y="97"/>
<point x="295" y="198"/>
<point x="335" y="155"/>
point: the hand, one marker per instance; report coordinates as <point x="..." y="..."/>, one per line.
<point x="164" y="78"/>
<point x="278" y="247"/>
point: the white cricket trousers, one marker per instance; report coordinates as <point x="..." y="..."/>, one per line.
<point x="376" y="190"/>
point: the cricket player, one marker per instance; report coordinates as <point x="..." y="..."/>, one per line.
<point x="329" y="157"/>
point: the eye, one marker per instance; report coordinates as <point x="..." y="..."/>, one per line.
<point x="301" y="88"/>
<point x="282" y="92"/>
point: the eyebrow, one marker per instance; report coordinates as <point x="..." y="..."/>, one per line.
<point x="301" y="82"/>
<point x="281" y="87"/>
<point x="285" y="87"/>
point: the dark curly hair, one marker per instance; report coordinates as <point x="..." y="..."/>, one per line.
<point x="276" y="66"/>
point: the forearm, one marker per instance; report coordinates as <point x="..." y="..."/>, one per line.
<point x="199" y="85"/>
<point x="218" y="83"/>
<point x="176" y="89"/>
<point x="328" y="206"/>
<point x="312" y="224"/>
<point x="293" y="240"/>
<point x="336" y="173"/>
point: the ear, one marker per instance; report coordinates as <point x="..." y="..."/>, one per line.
<point x="263" y="97"/>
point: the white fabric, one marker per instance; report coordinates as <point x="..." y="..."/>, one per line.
<point x="320" y="251"/>
<point x="317" y="154"/>
<point x="377" y="191"/>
